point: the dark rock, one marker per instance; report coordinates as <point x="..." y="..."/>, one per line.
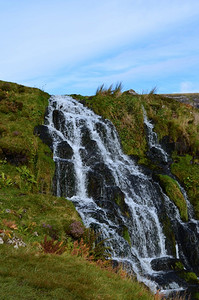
<point x="59" y="120"/>
<point x="187" y="236"/>
<point x="64" y="150"/>
<point x="170" y="277"/>
<point x="65" y="177"/>
<point x="181" y="145"/>
<point x="164" y="264"/>
<point x="15" y="158"/>
<point x="43" y="132"/>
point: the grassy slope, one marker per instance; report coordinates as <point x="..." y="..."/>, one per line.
<point x="28" y="211"/>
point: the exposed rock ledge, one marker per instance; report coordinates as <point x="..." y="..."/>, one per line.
<point x="189" y="98"/>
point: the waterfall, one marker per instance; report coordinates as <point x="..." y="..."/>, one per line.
<point x="111" y="193"/>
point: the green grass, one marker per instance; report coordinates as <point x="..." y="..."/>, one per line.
<point x="171" y="188"/>
<point x="36" y="215"/>
<point x="29" y="212"/>
<point x="25" y="274"/>
<point x="21" y="109"/>
<point x="187" y="170"/>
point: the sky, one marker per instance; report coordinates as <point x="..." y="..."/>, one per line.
<point x="75" y="46"/>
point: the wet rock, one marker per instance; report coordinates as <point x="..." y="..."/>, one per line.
<point x="64" y="150"/>
<point x="165" y="264"/>
<point x="187" y="236"/>
<point x="169" y="280"/>
<point x="43" y="132"/>
<point x="64" y="181"/>
<point x="59" y="120"/>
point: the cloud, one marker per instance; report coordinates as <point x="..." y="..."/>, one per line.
<point x="189" y="87"/>
<point x="75" y="42"/>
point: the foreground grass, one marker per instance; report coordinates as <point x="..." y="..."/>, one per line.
<point x="28" y="275"/>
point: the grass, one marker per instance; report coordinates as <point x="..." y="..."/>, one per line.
<point x="35" y="215"/>
<point x="186" y="169"/>
<point x="37" y="276"/>
<point x="28" y="211"/>
<point x="171" y="188"/>
<point x="21" y="109"/>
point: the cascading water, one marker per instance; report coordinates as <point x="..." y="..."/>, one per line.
<point x="110" y="192"/>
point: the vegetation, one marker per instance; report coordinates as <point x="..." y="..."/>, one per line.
<point x="172" y="189"/>
<point x="46" y="253"/>
<point x="176" y="124"/>
<point x="52" y="255"/>
<point x="186" y="169"/>
<point x="27" y="275"/>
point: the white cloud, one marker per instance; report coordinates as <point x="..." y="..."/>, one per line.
<point x="189" y="87"/>
<point x="76" y="40"/>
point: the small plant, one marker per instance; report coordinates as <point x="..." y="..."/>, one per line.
<point x="96" y="245"/>
<point x="5" y="180"/>
<point x="81" y="249"/>
<point x="52" y="246"/>
<point x="153" y="90"/>
<point x="10" y="224"/>
<point x="76" y="229"/>
<point x="28" y="179"/>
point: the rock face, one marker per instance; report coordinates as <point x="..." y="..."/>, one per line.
<point x="189" y="98"/>
<point x="114" y="196"/>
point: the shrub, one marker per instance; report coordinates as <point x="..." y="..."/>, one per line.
<point x="76" y="229"/>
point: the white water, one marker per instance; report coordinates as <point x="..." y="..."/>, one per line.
<point x="141" y="198"/>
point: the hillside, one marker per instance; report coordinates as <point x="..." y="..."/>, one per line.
<point x="29" y="211"/>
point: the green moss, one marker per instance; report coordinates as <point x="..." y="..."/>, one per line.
<point x="189" y="277"/>
<point x="126" y="235"/>
<point x="187" y="170"/>
<point x="171" y="188"/>
<point x="178" y="266"/>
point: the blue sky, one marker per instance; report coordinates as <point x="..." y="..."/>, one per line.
<point x="74" y="46"/>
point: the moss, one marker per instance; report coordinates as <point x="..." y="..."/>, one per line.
<point x="171" y="188"/>
<point x="187" y="170"/>
<point x="178" y="266"/>
<point x="189" y="277"/>
<point x="126" y="235"/>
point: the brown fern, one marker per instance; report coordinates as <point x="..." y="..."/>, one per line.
<point x="52" y="246"/>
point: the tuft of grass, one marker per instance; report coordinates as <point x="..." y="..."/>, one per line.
<point x="102" y="90"/>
